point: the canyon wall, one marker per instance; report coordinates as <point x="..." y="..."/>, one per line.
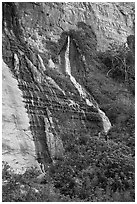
<point x="44" y="22"/>
<point x="18" y="146"/>
<point x="35" y="43"/>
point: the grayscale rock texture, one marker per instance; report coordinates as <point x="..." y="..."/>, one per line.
<point x="42" y="109"/>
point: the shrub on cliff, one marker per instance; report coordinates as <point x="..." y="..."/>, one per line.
<point x="120" y="63"/>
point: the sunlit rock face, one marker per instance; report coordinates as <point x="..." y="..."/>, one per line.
<point x="42" y="22"/>
<point x="51" y="51"/>
<point x="18" y="147"/>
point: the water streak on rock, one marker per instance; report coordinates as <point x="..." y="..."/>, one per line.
<point x="83" y="93"/>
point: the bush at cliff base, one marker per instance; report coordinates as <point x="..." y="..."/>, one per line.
<point x="93" y="170"/>
<point x="18" y="187"/>
<point x="25" y="188"/>
<point x="96" y="170"/>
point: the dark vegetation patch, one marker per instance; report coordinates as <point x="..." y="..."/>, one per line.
<point x="25" y="188"/>
<point x="92" y="170"/>
<point x="95" y="170"/>
<point x="119" y="61"/>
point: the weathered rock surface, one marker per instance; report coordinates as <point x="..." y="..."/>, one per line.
<point x="41" y="22"/>
<point x="17" y="143"/>
<point x="36" y="49"/>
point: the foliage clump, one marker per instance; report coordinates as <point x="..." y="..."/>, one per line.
<point x="96" y="170"/>
<point x="93" y="169"/>
<point x="26" y="188"/>
<point x="120" y="64"/>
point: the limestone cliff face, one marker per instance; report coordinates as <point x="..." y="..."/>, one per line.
<point x="63" y="101"/>
<point x="17" y="143"/>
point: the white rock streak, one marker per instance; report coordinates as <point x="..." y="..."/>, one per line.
<point x="41" y="63"/>
<point x="68" y="67"/>
<point x="54" y="142"/>
<point x="106" y="122"/>
<point x="83" y="92"/>
<point x="53" y="83"/>
<point x="51" y="64"/>
<point x="16" y="63"/>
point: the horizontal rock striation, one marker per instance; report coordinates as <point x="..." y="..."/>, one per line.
<point x="35" y="42"/>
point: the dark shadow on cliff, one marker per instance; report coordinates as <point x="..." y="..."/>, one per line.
<point x="13" y="38"/>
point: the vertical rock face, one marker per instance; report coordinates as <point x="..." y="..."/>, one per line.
<point x="113" y="22"/>
<point x="17" y="142"/>
<point x="42" y="22"/>
<point x="50" y="48"/>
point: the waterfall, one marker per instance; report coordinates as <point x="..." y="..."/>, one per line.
<point x="83" y="93"/>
